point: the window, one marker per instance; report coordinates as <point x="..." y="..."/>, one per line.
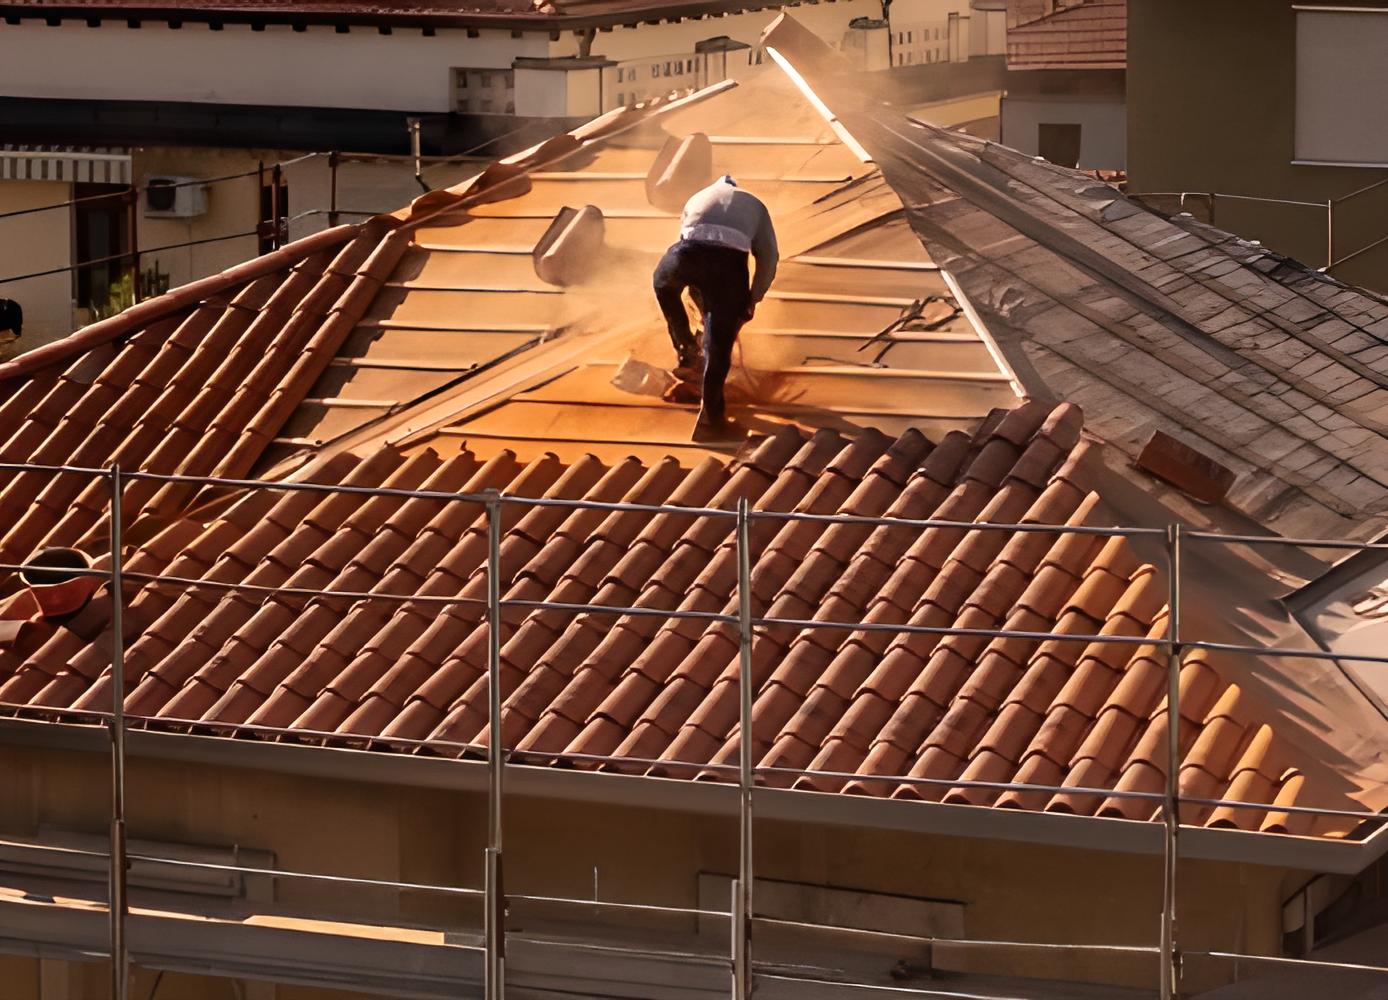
<point x="101" y="230"/>
<point x="485" y="91"/>
<point x="1341" y="77"/>
<point x="621" y="75"/>
<point x="1059" y="143"/>
<point x="273" y="228"/>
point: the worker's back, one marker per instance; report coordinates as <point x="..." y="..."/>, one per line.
<point x="724" y="213"/>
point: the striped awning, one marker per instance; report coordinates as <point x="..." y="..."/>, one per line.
<point x="79" y="164"/>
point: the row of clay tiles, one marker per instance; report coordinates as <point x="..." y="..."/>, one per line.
<point x="385" y="673"/>
<point x="1299" y="357"/>
<point x="1093" y="34"/>
<point x="198" y="381"/>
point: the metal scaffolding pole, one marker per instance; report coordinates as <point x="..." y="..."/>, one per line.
<point x="1171" y="816"/>
<point x="742" y="915"/>
<point x="495" y="902"/>
<point x="120" y="958"/>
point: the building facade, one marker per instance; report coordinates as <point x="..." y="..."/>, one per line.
<point x="1066" y="82"/>
<point x="1208" y="145"/>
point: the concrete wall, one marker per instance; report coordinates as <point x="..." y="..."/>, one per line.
<point x="1009" y="890"/>
<point x="1211" y="95"/>
<point x="1103" y="126"/>
<point x="36" y="242"/>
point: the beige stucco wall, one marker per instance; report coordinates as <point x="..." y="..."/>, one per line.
<point x="37" y="242"/>
<point x="232" y="207"/>
<point x="1197" y="124"/>
<point x="1010" y="891"/>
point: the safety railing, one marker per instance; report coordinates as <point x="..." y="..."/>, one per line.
<point x="746" y="773"/>
<point x="1330" y="206"/>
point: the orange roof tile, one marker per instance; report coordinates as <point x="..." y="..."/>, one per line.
<point x="385" y="672"/>
<point x="1067" y="34"/>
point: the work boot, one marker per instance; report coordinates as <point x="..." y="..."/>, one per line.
<point x="689" y="359"/>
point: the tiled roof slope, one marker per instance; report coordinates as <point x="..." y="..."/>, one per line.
<point x="197" y="382"/>
<point x="1088" y="34"/>
<point x="1151" y="323"/>
<point x="225" y="375"/>
<point x="386" y="674"/>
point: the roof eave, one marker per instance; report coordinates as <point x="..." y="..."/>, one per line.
<point x="652" y="12"/>
<point x="682" y="795"/>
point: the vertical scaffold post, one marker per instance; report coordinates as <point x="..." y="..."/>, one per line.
<point x="1171" y="805"/>
<point x="1329" y="234"/>
<point x="120" y="958"/>
<point x="495" y="917"/>
<point x="333" y="159"/>
<point x="742" y="915"/>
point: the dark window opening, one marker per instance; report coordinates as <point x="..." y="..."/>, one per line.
<point x="101" y="235"/>
<point x="273" y="229"/>
<point x="1059" y="143"/>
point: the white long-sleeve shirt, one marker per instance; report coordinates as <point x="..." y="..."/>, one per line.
<point x="725" y="215"/>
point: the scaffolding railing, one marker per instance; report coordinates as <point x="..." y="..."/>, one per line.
<point x="746" y="773"/>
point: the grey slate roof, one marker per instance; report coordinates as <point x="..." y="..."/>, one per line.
<point x="1150" y="322"/>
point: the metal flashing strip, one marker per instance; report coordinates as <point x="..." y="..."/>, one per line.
<point x="845" y="136"/>
<point x="1340" y="9"/>
<point x="1337" y="163"/>
<point x="866" y="262"/>
<point x="984" y="334"/>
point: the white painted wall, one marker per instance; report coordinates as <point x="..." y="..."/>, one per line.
<point x="988" y="32"/>
<point x="403" y="71"/>
<point x="1103" y="127"/>
<point x="542" y="93"/>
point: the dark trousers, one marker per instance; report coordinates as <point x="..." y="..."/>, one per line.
<point x="718" y="278"/>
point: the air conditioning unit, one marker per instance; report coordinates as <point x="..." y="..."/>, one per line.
<point x="174" y="197"/>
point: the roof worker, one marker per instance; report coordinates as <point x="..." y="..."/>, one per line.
<point x="721" y="226"/>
